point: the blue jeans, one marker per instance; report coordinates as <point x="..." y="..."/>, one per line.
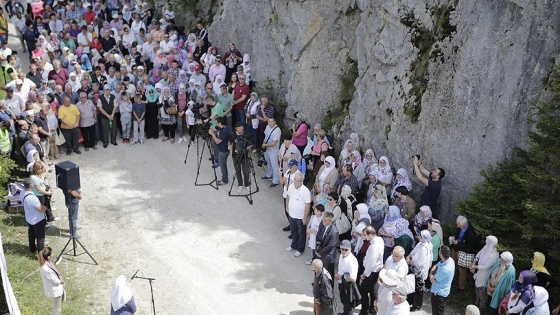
<point x="74" y="207"/>
<point x="271" y="157"/>
<point x="297" y="230"/>
<point x="222" y="159"/>
<point x="240" y="115"/>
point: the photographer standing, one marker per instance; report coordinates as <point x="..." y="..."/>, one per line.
<point x="432" y="181"/>
<point x="271" y="144"/>
<point x="216" y="110"/>
<point x="241" y="145"/>
<point x="220" y="136"/>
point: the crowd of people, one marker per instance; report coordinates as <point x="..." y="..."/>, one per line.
<point x="103" y="71"/>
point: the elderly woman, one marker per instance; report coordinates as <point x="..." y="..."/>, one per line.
<point x="540" y="302"/>
<point x="385" y="174"/>
<point x="422" y="219"/>
<point x="389" y="229"/>
<point x="347" y="149"/>
<point x="327" y="175"/>
<point x="122" y="301"/>
<point x="420" y="261"/>
<point x="500" y="279"/>
<point x="464" y="249"/>
<point x="402" y="180"/>
<point x="369" y="161"/>
<point x="357" y="166"/>
<point x="485" y="259"/>
<point x="378" y="205"/>
<point x="521" y="293"/>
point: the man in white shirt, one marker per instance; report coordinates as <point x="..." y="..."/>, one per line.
<point x="5" y="51"/>
<point x="55" y="25"/>
<point x="217" y="68"/>
<point x="298" y="203"/>
<point x="346" y="276"/>
<point x="399" y="305"/>
<point x="84" y="40"/>
<point x="373" y="263"/>
<point x="397" y="262"/>
<point x="166" y="44"/>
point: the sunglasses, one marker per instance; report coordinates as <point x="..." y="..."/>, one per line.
<point x="344" y="249"/>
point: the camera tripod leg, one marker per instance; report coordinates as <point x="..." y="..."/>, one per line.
<point x="215" y="180"/>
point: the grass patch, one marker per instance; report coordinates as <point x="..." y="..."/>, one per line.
<point x="23" y="271"/>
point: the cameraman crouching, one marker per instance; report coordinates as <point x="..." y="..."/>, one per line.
<point x="241" y="145"/>
<point x="220" y="136"/>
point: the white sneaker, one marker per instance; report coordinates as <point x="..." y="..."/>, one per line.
<point x="247" y="187"/>
<point x="180" y="140"/>
<point x="48" y="225"/>
<point x="309" y="262"/>
<point x="141" y="141"/>
<point x="289" y="249"/>
<point x="185" y="138"/>
<point x="239" y="189"/>
<point x="297" y="254"/>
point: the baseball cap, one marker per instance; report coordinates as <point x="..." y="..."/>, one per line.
<point x="196" y="68"/>
<point x="345" y="244"/>
<point x="18" y="82"/>
<point x="106" y="87"/>
<point x="292" y="163"/>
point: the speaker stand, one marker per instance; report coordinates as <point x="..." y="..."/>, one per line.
<point x="72" y="239"/>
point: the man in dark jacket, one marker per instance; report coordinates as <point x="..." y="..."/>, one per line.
<point x="327" y="237"/>
<point x="323" y="292"/>
<point x="464" y="249"/>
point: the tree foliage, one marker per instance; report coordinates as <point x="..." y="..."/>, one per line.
<point x="518" y="200"/>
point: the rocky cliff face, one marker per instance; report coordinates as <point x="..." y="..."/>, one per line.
<point x="452" y="80"/>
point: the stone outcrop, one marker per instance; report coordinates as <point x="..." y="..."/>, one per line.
<point x="452" y="80"/>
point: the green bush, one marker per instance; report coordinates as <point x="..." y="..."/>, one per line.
<point x="519" y="198"/>
<point x="6" y="167"/>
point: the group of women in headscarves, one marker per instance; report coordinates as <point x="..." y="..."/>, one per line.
<point x="495" y="280"/>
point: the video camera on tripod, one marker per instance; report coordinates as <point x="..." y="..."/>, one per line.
<point x="200" y="114"/>
<point x="240" y="145"/>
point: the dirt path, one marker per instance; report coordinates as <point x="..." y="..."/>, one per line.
<point x="208" y="252"/>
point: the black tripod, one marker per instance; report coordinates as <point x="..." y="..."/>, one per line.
<point x="72" y="238"/>
<point x="238" y="162"/>
<point x="200" y="155"/>
<point x="151" y="288"/>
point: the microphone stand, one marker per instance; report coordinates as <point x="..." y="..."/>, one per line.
<point x="151" y="288"/>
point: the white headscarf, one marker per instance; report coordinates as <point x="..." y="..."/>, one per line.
<point x="486" y="252"/>
<point x="384" y="170"/>
<point x="507" y="257"/>
<point x="216" y="85"/>
<point x="121" y="294"/>
<point x="327" y="170"/>
<point x="540" y="297"/>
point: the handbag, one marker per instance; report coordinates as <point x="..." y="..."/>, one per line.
<point x="465" y="260"/>
<point x="342" y="224"/>
<point x="59" y="139"/>
<point x="171" y="110"/>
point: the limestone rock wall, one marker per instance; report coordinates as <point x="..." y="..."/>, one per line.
<point x="474" y="85"/>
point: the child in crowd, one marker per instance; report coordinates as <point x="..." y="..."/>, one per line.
<point x="191" y="121"/>
<point x="125" y="108"/>
<point x="138" y="113"/>
<point x="313" y="228"/>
